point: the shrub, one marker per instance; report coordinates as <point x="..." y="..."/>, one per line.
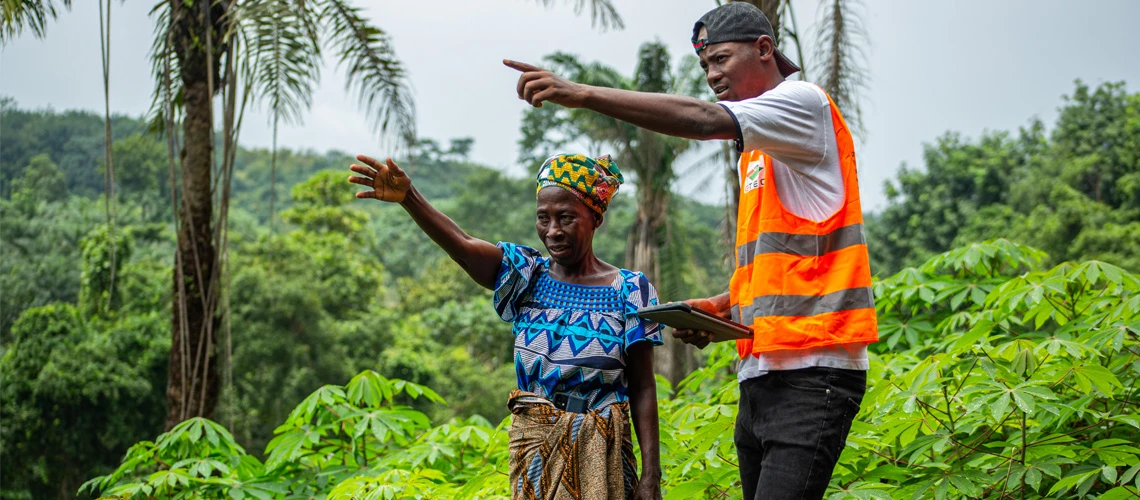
<point x="994" y="378"/>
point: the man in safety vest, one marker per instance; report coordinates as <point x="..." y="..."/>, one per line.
<point x="802" y="280"/>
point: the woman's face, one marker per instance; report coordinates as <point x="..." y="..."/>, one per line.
<point x="565" y="226"/>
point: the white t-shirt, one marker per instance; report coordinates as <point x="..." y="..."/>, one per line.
<point x="792" y="124"/>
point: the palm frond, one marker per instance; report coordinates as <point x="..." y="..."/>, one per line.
<point x="374" y="72"/>
<point x="790" y="34"/>
<point x="603" y="14"/>
<point x="596" y="126"/>
<point x="642" y="153"/>
<point x="689" y="79"/>
<point x="840" y="57"/>
<point x="283" y="63"/>
<point x="710" y="159"/>
<point x="595" y="74"/>
<point x="285" y="55"/>
<point x="548" y="129"/>
<point x="18" y="15"/>
<point x="545" y="131"/>
<point x="654" y="68"/>
<point x="164" y="66"/>
<point x="564" y="63"/>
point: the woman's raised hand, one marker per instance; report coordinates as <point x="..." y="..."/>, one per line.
<point x="387" y="181"/>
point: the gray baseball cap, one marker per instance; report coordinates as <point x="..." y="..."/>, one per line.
<point x="738" y="22"/>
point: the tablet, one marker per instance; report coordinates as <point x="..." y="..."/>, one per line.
<point x="686" y="317"/>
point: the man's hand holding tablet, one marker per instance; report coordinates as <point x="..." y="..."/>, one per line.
<point x="718" y="306"/>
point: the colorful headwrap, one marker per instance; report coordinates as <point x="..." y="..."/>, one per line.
<point x="595" y="181"/>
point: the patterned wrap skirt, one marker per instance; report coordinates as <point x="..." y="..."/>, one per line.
<point x="558" y="455"/>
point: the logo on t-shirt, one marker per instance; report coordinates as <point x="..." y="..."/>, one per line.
<point x="755" y="176"/>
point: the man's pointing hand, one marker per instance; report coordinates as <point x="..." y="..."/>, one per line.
<point x="537" y="85"/>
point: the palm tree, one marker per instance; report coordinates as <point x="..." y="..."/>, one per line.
<point x="840" y="60"/>
<point x="264" y="52"/>
<point x="838" y="56"/>
<point x="650" y="156"/>
<point x="647" y="156"/>
<point x="268" y="52"/>
<point x="283" y="41"/>
<point x="18" y="15"/>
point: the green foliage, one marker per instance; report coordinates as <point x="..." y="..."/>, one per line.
<point x="349" y="288"/>
<point x="80" y="382"/>
<point x="253" y="173"/>
<point x="41" y="181"/>
<point x="74" y="139"/>
<point x="313" y="300"/>
<point x="97" y="293"/>
<point x="1005" y="378"/>
<point x="77" y="392"/>
<point x="474" y="382"/>
<point x="495" y="207"/>
<point x="690" y="263"/>
<point x="352" y="441"/>
<point x="142" y="174"/>
<point x="996" y="377"/>
<point x="439" y="282"/>
<point x="1075" y="194"/>
<point x="340" y="286"/>
<point x="319" y="206"/>
<point x="141" y="166"/>
<point x="1101" y="126"/>
<point x="38" y="255"/>
<point x="1111" y="243"/>
<point x="292" y="297"/>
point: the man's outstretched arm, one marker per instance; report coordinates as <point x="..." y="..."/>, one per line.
<point x="668" y="114"/>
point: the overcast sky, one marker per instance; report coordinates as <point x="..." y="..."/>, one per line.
<point x="965" y="66"/>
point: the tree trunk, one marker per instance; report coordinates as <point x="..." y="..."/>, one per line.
<point x="675" y="359"/>
<point x="732" y="183"/>
<point x="193" y="386"/>
<point x="771" y="9"/>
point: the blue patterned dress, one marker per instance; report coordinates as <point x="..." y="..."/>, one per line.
<point x="572" y="338"/>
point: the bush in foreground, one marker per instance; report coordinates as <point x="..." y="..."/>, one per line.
<point x="994" y="378"/>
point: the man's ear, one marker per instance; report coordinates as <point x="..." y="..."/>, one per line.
<point x="598" y="219"/>
<point x="766" y="46"/>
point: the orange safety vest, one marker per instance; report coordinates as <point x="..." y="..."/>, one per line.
<point x="799" y="283"/>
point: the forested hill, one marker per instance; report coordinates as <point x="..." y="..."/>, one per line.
<point x="1072" y="189"/>
<point x="332" y="286"/>
<point x="73" y="141"/>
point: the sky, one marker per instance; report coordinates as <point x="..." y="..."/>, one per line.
<point x="967" y="66"/>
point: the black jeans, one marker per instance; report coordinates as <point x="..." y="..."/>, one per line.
<point x="792" y="426"/>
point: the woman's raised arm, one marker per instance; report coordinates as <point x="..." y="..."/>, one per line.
<point x="388" y="183"/>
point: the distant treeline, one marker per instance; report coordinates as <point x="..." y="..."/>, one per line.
<point x="331" y="286"/>
<point x="1073" y="191"/>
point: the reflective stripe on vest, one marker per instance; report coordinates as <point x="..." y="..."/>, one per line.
<point x="800" y="244"/>
<point x="806" y="305"/>
<point x="800" y="283"/>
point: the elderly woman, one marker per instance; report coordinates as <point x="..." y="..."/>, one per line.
<point x="584" y="359"/>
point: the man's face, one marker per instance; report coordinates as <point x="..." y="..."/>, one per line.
<point x="565" y="225"/>
<point x="734" y="70"/>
